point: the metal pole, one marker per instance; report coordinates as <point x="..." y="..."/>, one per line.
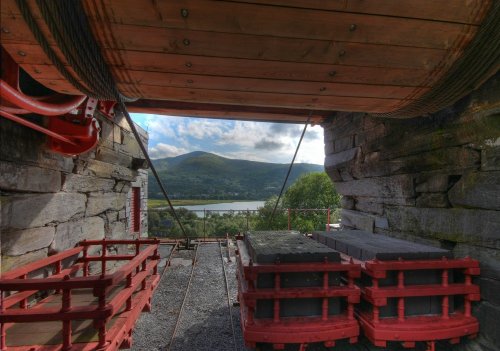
<point x="204" y="225"/>
<point x="328" y="220"/>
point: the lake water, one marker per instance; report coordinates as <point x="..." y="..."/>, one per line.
<point x="224" y="207"/>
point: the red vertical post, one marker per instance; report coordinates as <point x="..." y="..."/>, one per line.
<point x="277" y="286"/>
<point x="85" y="261"/>
<point x="445" y="303"/>
<point x="129" y="285"/>
<point x="401" y="300"/>
<point x="467" y="302"/>
<point x="325" y="299"/>
<point x="3" y="342"/>
<point x="101" y="324"/>
<point x="57" y="271"/>
<point x="24" y="302"/>
<point x="66" y="307"/>
<point x="103" y="257"/>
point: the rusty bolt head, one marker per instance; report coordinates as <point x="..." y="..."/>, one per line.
<point x="21" y="53"/>
<point x="342" y="53"/>
<point x="5" y="30"/>
<point x="352" y="27"/>
<point x="322" y="89"/>
<point x="332" y="73"/>
<point x="186" y="42"/>
<point x="189" y="64"/>
<point x="184" y="13"/>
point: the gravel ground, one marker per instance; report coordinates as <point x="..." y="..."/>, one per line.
<point x="154" y="330"/>
<point x="204" y="322"/>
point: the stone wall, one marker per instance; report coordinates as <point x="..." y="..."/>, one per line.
<point x="433" y="179"/>
<point x="50" y="202"/>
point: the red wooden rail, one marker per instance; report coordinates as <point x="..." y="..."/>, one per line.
<point x="126" y="291"/>
<point x="279" y="330"/>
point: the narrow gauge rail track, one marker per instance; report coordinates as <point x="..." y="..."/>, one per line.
<point x="184" y="298"/>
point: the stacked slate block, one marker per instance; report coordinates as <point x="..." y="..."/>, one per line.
<point x="411" y="293"/>
<point x="366" y="246"/>
<point x="274" y="247"/>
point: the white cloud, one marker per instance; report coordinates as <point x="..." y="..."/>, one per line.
<point x="162" y="150"/>
<point x="258" y="141"/>
<point x="202" y="128"/>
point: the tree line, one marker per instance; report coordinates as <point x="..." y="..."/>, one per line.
<point x="310" y="191"/>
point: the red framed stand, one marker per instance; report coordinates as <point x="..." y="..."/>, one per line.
<point x="280" y="331"/>
<point x="73" y="308"/>
<point x="408" y="330"/>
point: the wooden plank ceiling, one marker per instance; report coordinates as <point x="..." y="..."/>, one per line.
<point x="264" y="59"/>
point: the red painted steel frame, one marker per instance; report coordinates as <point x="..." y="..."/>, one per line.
<point x="295" y="330"/>
<point x="132" y="285"/>
<point x="428" y="328"/>
<point x="65" y="103"/>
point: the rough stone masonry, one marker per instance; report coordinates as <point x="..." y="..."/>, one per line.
<point x="433" y="179"/>
<point x="49" y="202"/>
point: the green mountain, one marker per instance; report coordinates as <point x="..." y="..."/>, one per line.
<point x="202" y="175"/>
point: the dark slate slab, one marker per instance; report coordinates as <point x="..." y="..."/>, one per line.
<point x="266" y="247"/>
<point x="366" y="246"/>
<point x="287" y="247"/>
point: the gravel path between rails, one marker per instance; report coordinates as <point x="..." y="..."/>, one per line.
<point x="154" y="330"/>
<point x="204" y="323"/>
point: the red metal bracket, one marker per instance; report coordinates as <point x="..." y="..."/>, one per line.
<point x="107" y="108"/>
<point x="71" y="129"/>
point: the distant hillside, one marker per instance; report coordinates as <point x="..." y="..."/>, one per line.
<point x="202" y="175"/>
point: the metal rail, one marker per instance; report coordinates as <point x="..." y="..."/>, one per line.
<point x="227" y="291"/>
<point x="184" y="299"/>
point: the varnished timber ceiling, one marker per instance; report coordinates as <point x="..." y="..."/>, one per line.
<point x="269" y="60"/>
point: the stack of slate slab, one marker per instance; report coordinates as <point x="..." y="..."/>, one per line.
<point x="275" y="247"/>
<point x="291" y="291"/>
<point x="408" y="285"/>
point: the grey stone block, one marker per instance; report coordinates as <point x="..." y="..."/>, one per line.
<point x="101" y="202"/>
<point x="395" y="186"/>
<point x="85" y="184"/>
<point x="29" y="211"/>
<point x="480" y="227"/>
<point x="19" y="242"/>
<point x="68" y="234"/>
<point x="19" y="177"/>
<point x="477" y="190"/>
<point x="432" y="184"/>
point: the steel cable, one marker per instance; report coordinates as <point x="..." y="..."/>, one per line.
<point x="289" y="171"/>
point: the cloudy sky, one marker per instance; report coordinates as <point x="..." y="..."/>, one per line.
<point x="256" y="141"/>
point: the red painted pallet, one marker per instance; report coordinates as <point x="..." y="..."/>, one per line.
<point x="408" y="330"/>
<point x="57" y="303"/>
<point x="279" y="330"/>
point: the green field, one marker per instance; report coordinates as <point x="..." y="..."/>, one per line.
<point x="154" y="203"/>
